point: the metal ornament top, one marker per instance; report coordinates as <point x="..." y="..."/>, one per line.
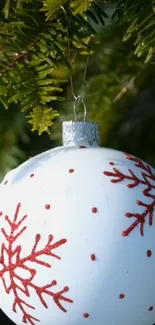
<point x="80" y="133"/>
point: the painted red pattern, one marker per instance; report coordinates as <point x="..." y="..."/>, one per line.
<point x="71" y="170"/>
<point x="47" y="206"/>
<point x="122" y="296"/>
<point x="16" y="261"/>
<point x="149" y="253"/>
<point x="93" y="257"/>
<point x="148" y="180"/>
<point x="94" y="210"/>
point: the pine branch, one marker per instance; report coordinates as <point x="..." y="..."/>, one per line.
<point x="42" y="118"/>
<point x="52" y="8"/>
<point x="139" y="19"/>
<point x="34" y="41"/>
<point x="79" y="7"/>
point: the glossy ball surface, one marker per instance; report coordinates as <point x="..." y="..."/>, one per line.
<point x="77" y="239"/>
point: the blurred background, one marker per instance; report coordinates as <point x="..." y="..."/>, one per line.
<point x="120" y="97"/>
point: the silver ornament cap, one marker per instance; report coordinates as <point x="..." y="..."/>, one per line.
<point x="78" y="133"/>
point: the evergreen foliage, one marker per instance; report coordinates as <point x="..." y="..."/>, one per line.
<point x="34" y="40"/>
<point x="139" y="17"/>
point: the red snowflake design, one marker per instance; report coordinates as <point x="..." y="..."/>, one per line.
<point x="148" y="180"/>
<point x="16" y="261"/>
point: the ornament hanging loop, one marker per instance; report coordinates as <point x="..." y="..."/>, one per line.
<point x="80" y="99"/>
<point x="77" y="98"/>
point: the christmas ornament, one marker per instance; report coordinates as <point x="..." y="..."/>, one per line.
<point x="77" y="236"/>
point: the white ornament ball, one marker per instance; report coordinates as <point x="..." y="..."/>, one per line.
<point x="77" y="236"/>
